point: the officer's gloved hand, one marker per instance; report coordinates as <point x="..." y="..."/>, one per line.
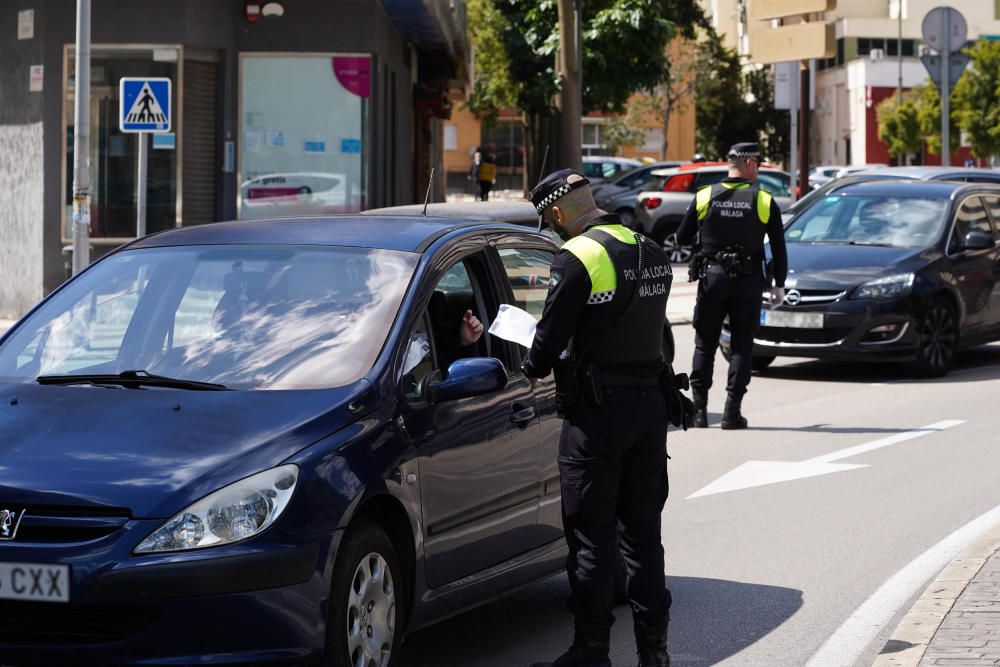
<point x="777" y="296"/>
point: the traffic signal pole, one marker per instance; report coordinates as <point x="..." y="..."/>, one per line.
<point x="81" y="141"/>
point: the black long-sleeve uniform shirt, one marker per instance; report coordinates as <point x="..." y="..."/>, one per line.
<point x="774" y="229"/>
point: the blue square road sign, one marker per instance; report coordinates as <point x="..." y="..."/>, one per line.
<point x="144" y="105"/>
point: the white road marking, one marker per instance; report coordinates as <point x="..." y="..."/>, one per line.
<point x="856" y="633"/>
<point x="762" y="473"/>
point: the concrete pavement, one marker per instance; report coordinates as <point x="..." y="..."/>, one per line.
<point x="956" y="621"/>
<point x="680" y="305"/>
<point x="4" y="325"/>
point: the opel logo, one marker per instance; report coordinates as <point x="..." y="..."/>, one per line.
<point x="793" y="297"/>
<point x="9" y="519"/>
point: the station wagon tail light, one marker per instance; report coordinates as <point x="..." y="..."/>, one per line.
<point x="233" y="513"/>
<point x="652" y="202"/>
<point x="678" y="183"/>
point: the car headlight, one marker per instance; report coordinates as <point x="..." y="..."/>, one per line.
<point x="890" y="287"/>
<point x="233" y="513"/>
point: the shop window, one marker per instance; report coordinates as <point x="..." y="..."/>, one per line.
<point x="113" y="155"/>
<point x="309" y="156"/>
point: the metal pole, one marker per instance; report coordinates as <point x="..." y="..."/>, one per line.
<point x="804" y="128"/>
<point x="81" y="141"/>
<point x="899" y="50"/>
<point x="945" y="90"/>
<point x="141" y="189"/>
<point x="793" y="111"/>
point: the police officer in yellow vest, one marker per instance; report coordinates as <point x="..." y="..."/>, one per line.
<point x="731" y="218"/>
<point x="606" y="303"/>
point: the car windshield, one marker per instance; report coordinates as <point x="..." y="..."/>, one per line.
<point x="243" y="316"/>
<point x="869" y="219"/>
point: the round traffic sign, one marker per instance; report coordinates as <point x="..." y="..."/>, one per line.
<point x="944" y="28"/>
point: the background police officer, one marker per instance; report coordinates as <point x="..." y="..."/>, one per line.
<point x="612" y="451"/>
<point x="731" y="218"/>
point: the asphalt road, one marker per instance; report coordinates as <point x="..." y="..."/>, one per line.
<point x="767" y="575"/>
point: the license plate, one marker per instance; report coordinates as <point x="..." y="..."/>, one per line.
<point x="782" y="318"/>
<point x="33" y="581"/>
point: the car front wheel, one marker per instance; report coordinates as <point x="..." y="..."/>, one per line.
<point x="364" y="622"/>
<point x="678" y="254"/>
<point x="938" y="345"/>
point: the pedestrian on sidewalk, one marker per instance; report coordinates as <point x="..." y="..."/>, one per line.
<point x="731" y="219"/>
<point x="607" y="295"/>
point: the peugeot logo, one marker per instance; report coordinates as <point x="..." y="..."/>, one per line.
<point x="793" y="297"/>
<point x="9" y="519"/>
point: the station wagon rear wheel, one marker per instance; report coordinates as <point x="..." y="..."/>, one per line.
<point x="364" y="621"/>
<point x="677" y="253"/>
<point x="938" y="345"/>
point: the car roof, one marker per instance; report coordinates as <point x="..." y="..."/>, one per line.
<point x="697" y="167"/>
<point x="410" y="233"/>
<point x="932" y="171"/>
<point x="519" y="211"/>
<point x="913" y="188"/>
<point x="611" y="158"/>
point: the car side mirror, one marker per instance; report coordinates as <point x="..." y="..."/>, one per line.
<point x="469" y="377"/>
<point x="977" y="240"/>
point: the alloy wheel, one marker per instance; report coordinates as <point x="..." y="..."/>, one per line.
<point x="938" y="338"/>
<point x="678" y="254"/>
<point x="371" y="613"/>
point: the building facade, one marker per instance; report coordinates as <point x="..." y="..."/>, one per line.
<point x="278" y="108"/>
<point x="879" y="45"/>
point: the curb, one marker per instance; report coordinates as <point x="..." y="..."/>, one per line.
<point x="913" y="635"/>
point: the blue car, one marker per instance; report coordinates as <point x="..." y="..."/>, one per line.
<point x="268" y="441"/>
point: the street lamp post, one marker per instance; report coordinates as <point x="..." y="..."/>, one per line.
<point x="81" y="141"/>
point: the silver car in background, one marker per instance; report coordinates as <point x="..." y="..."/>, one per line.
<point x="618" y="194"/>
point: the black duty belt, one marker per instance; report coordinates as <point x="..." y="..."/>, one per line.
<point x="613" y="379"/>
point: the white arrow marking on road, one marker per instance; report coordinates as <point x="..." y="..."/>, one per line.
<point x="762" y="473"/>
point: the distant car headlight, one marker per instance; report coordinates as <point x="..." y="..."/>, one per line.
<point x="890" y="287"/>
<point x="233" y="513"/>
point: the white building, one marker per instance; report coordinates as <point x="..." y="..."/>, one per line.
<point x="874" y="48"/>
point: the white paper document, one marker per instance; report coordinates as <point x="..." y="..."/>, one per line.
<point x="515" y="325"/>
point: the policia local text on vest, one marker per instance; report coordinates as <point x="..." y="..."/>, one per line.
<point x="730" y="220"/>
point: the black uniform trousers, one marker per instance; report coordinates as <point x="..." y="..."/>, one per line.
<point x="719" y="296"/>
<point x="613" y="473"/>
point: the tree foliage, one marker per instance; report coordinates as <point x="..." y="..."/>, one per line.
<point x="624" y="51"/>
<point x="976" y="100"/>
<point x="898" y="125"/>
<point x="927" y="99"/>
<point x="734" y="105"/>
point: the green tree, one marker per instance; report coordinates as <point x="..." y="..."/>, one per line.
<point x="927" y="99"/>
<point x="898" y="126"/>
<point x="624" y="51"/>
<point x="977" y="98"/>
<point x="621" y="132"/>
<point x="734" y="105"/>
<point x="492" y="86"/>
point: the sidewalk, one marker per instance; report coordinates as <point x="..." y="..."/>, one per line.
<point x="956" y="621"/>
<point x="4" y="325"/>
<point x="680" y="305"/>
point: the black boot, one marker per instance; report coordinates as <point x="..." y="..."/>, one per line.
<point x="700" y="399"/>
<point x="583" y="653"/>
<point x="732" y="418"/>
<point x="651" y="642"/>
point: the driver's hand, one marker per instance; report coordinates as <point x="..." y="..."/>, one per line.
<point x="471" y="328"/>
<point x="777" y="296"/>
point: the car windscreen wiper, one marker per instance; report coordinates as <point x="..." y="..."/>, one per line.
<point x="131" y="380"/>
<point x="871" y="243"/>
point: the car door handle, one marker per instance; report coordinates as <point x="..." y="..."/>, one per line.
<point x="522" y="415"/>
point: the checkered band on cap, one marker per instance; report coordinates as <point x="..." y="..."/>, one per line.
<point x="744" y="154"/>
<point x="743" y="149"/>
<point x="552" y="197"/>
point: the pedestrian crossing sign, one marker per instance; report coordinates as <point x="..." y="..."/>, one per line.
<point x="144" y="105"/>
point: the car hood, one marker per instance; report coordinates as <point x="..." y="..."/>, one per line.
<point x="153" y="451"/>
<point x="835" y="266"/>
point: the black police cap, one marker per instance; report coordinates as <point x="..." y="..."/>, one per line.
<point x="554" y="186"/>
<point x="745" y="149"/>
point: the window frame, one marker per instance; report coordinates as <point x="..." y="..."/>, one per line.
<point x="950" y="240"/>
<point x="177" y="129"/>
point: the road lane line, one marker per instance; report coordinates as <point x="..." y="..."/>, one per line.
<point x="885" y="442"/>
<point x="850" y="640"/>
<point x="762" y="473"/>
